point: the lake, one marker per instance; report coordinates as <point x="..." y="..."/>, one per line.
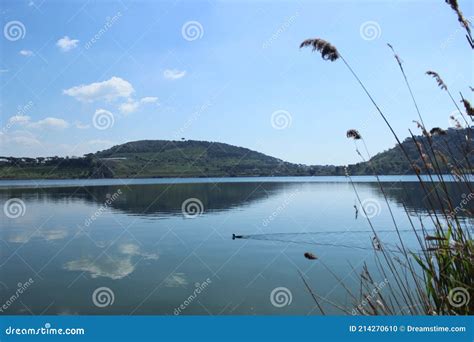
<point x="160" y="246"/>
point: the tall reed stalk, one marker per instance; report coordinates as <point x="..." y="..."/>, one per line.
<point x="438" y="277"/>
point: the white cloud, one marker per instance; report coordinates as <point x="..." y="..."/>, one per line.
<point x="81" y="148"/>
<point x="19" y="119"/>
<point x="3" y="70"/>
<point x="25" y="236"/>
<point x="81" y="125"/>
<point x="176" y="280"/>
<point x="49" y="122"/>
<point x="173" y="74"/>
<point x="129" y="107"/>
<point x="117" y="266"/>
<point x="66" y="44"/>
<point x="22" y="143"/>
<point x="149" y="99"/>
<point x="109" y="90"/>
<point x="19" y="143"/>
<point x="132" y="105"/>
<point x="26" y="53"/>
<point x="107" y="267"/>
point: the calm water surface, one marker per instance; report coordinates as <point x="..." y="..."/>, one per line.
<point x="136" y="238"/>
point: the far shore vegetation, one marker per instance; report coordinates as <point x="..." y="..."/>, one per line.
<point x="189" y="158"/>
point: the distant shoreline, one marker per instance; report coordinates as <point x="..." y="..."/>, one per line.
<point x="162" y="159"/>
<point x="22" y="183"/>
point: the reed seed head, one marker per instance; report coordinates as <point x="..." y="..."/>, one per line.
<point x="438" y="79"/>
<point x="397" y="57"/>
<point x="420" y="126"/>
<point x="441" y="156"/>
<point x="354" y="134"/>
<point x="328" y="51"/>
<point x="467" y="105"/>
<point x="456" y="121"/>
<point x="462" y="20"/>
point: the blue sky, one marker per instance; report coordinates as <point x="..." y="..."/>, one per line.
<point x="227" y="71"/>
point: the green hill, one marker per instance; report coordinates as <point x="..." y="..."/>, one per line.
<point x="154" y="158"/>
<point x="454" y="146"/>
<point x="163" y="158"/>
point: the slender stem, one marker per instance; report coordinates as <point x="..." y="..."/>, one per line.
<point x="312" y="293"/>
